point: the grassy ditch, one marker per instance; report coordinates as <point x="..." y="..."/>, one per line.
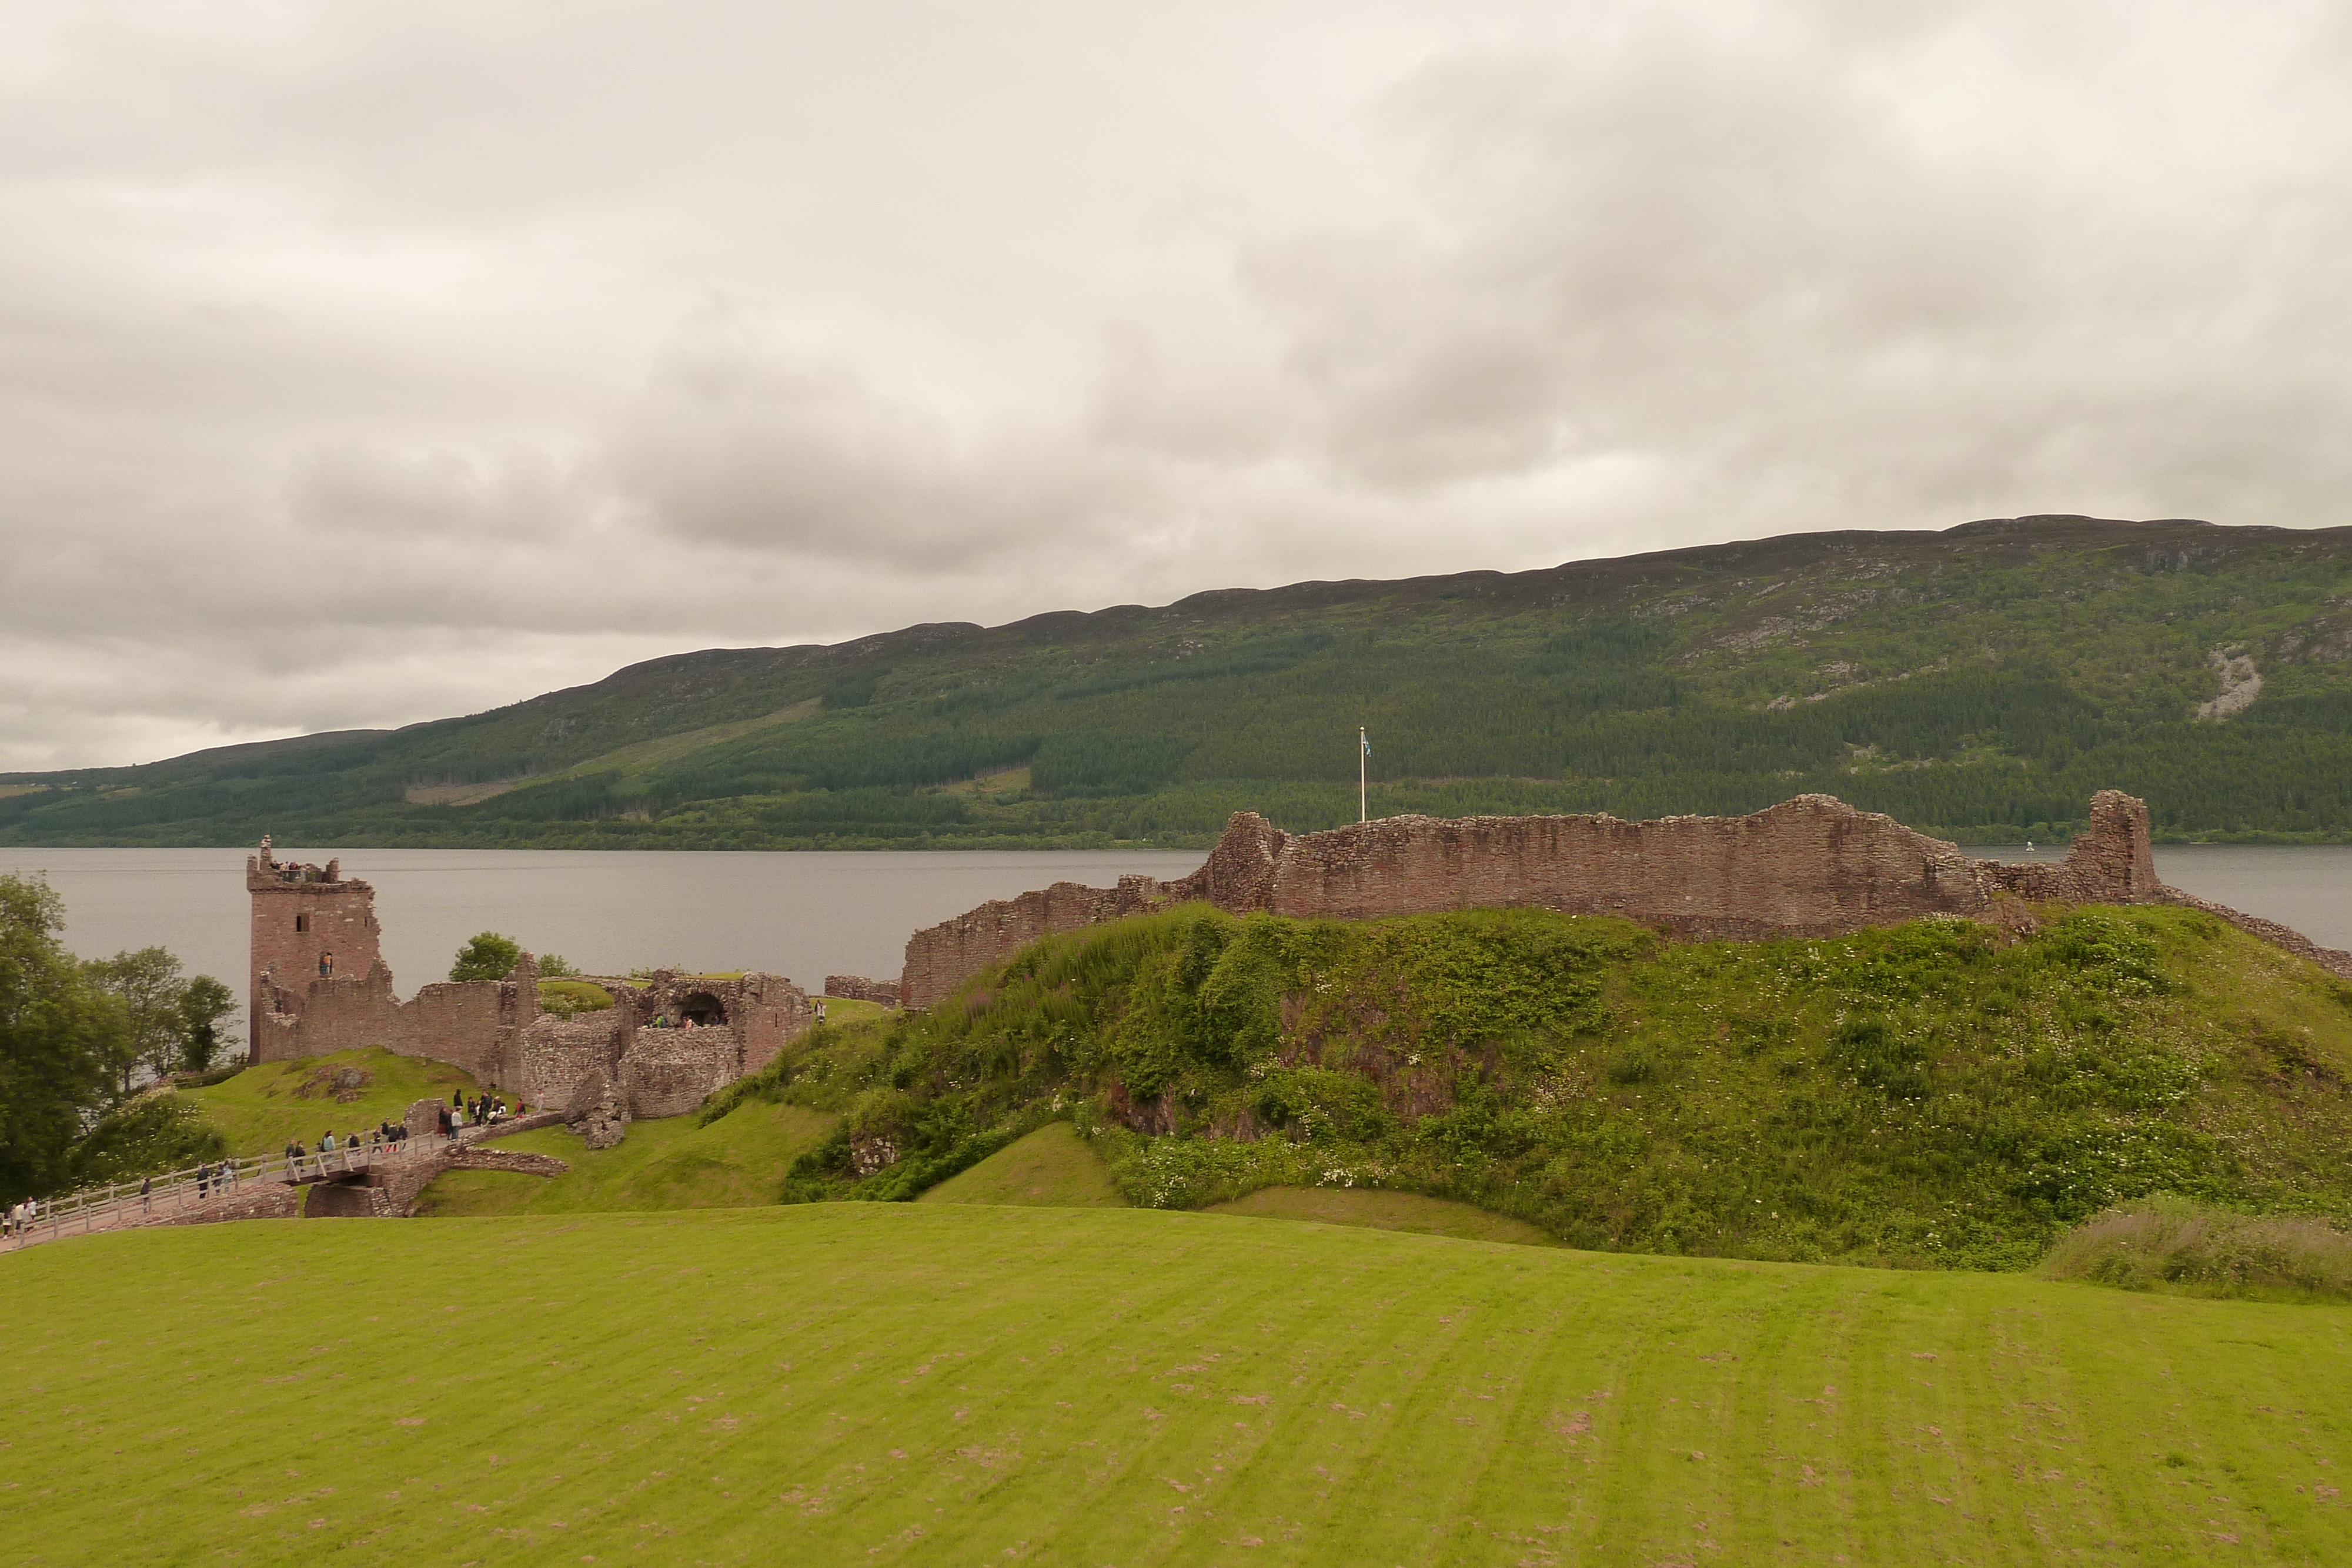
<point x="1934" y="1094"/>
<point x="674" y="1163"/>
<point x="942" y="1384"/>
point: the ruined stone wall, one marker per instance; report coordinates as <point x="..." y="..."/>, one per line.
<point x="943" y="958"/>
<point x="657" y="1067"/>
<point x="1811" y="866"/>
<point x="476" y="1025"/>
<point x="769" y="1013"/>
<point x="469" y="1024"/>
<point x="669" y="1072"/>
<point x="859" y="988"/>
<point x="1808" y="867"/>
<point x="557" y="1054"/>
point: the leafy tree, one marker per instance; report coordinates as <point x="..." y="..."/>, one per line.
<point x="152" y="1132"/>
<point x="203" y="1003"/>
<point x="556" y="967"/>
<point x="60" y="1038"/>
<point x="149" y="985"/>
<point x="487" y="956"/>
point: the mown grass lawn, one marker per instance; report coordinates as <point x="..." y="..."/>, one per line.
<point x="1384" y="1211"/>
<point x="919" y="1384"/>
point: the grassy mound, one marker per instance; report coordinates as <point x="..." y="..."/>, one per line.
<point x="568" y="998"/>
<point x="1937" y="1095"/>
<point x="920" y="1385"/>
<point x="262" y="1107"/>
<point x="674" y="1163"/>
<point x="849" y="1010"/>
<point x="1051" y="1167"/>
<point x="2165" y="1244"/>
<point x="1384" y="1211"/>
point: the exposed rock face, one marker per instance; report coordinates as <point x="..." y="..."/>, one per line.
<point x="872" y="1152"/>
<point x="1811" y="866"/>
<point x="598" y="1112"/>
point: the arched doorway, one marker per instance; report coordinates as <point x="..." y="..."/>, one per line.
<point x="702" y="1010"/>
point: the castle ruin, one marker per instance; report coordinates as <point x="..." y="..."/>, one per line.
<point x="1811" y="866"/>
<point x="320" y="984"/>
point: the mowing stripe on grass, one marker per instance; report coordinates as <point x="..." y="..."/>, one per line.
<point x="948" y="1385"/>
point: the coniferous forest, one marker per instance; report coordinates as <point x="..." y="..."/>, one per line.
<point x="1978" y="682"/>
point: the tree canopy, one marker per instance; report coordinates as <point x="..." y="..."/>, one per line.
<point x="60" y="1038"/>
<point x="487" y="956"/>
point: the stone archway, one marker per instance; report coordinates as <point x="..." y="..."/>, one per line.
<point x="702" y="1010"/>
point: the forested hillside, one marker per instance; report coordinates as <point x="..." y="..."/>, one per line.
<point x="1978" y="682"/>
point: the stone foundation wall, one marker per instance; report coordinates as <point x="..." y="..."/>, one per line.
<point x="250" y="1200"/>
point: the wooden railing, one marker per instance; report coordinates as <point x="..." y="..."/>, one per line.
<point x="122" y="1204"/>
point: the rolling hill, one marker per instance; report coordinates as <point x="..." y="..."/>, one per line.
<point x="1978" y="682"/>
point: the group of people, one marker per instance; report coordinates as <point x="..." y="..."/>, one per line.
<point x="386" y="1134"/>
<point x="483" y="1110"/>
<point x="21" y="1218"/>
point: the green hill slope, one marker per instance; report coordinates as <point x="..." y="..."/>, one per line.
<point x="927" y="1384"/>
<point x="1981" y="681"/>
<point x="674" y="1163"/>
<point x="1051" y="1167"/>
<point x="263" y="1107"/>
<point x="1933" y="1095"/>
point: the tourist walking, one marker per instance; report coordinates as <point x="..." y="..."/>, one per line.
<point x="228" y="1171"/>
<point x="147" y="1195"/>
<point x="203" y="1180"/>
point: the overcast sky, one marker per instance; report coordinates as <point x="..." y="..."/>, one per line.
<point x="362" y="363"/>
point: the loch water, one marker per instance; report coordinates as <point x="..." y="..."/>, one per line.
<point x="804" y="914"/>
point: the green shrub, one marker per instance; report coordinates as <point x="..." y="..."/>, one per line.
<point x="2171" y="1244"/>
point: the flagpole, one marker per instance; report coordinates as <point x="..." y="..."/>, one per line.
<point x="1363" y="788"/>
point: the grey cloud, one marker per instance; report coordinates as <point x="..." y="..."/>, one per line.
<point x="361" y="364"/>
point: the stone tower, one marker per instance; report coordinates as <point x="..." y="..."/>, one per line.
<point x="308" y="923"/>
